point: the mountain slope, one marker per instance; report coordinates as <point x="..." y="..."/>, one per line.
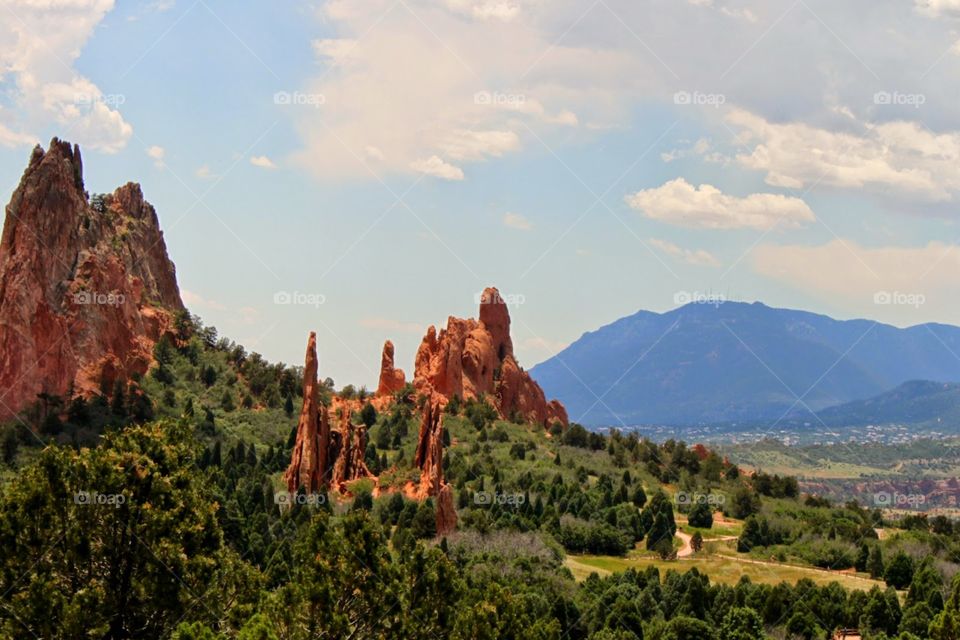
<point x="738" y="361"/>
<point x="913" y="402"/>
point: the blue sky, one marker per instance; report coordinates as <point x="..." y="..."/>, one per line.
<point x="588" y="158"/>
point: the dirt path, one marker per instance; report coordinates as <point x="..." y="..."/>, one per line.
<point x="687" y="549"/>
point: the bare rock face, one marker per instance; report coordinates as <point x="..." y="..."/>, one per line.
<point x="471" y="358"/>
<point x="323" y="458"/>
<point x="429" y="458"/>
<point x="391" y="378"/>
<point x="309" y="458"/>
<point x="348" y="445"/>
<point x="86" y="288"/>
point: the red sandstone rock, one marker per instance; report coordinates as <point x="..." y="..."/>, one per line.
<point x="309" y="458"/>
<point x="470" y="358"/>
<point x="429" y="458"/>
<point x="391" y="378"/>
<point x="323" y="457"/>
<point x="446" y="512"/>
<point x="85" y="291"/>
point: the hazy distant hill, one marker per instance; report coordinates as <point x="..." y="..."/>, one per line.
<point x="738" y="361"/>
<point x="913" y="402"/>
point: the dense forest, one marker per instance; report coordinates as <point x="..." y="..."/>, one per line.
<point x="156" y="510"/>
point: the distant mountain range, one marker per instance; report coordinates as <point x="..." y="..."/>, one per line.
<point x="913" y="402"/>
<point x="732" y="361"/>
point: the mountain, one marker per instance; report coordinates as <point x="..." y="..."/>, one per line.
<point x="913" y="402"/>
<point x="737" y="361"/>
<point x="86" y="287"/>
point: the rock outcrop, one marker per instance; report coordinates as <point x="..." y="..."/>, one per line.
<point x="391" y="378"/>
<point x="86" y="287"/>
<point x="470" y="358"/>
<point x="429" y="459"/>
<point x="323" y="458"/>
<point x="309" y="458"/>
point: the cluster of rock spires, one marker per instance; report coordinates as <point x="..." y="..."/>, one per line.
<point x="471" y="359"/>
<point x="322" y="457"/>
<point x="86" y="288"/>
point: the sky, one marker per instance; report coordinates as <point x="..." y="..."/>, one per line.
<point x="364" y="168"/>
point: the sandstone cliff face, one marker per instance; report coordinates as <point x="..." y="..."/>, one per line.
<point x="323" y="457"/>
<point x="474" y="357"/>
<point x="391" y="378"/>
<point x="86" y="289"/>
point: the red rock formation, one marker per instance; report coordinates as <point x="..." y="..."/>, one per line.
<point x="86" y="289"/>
<point x="391" y="378"/>
<point x="309" y="458"/>
<point x="429" y="458"/>
<point x="348" y="445"/>
<point x="474" y="357"/>
<point x="323" y="458"/>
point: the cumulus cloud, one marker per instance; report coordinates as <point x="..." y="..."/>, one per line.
<point x="517" y="221"/>
<point x="438" y="168"/>
<point x="851" y="276"/>
<point x="263" y="162"/>
<point x="680" y="203"/>
<point x="938" y="7"/>
<point x="39" y="42"/>
<point x="892" y="157"/>
<point x="698" y="257"/>
<point x="158" y="154"/>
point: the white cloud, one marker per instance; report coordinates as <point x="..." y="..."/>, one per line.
<point x="699" y="257"/>
<point x="392" y="326"/>
<point x="438" y="168"/>
<point x="679" y="203"/>
<point x="204" y="172"/>
<point x="40" y="40"/>
<point x="517" y="221"/>
<point x="893" y="157"/>
<point x="158" y="154"/>
<point x="938" y="7"/>
<point x="462" y="81"/>
<point x="263" y="162"/>
<point x="849" y="275"/>
<point x="196" y="301"/>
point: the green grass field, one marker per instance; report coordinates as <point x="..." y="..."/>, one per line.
<point x="721" y="569"/>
